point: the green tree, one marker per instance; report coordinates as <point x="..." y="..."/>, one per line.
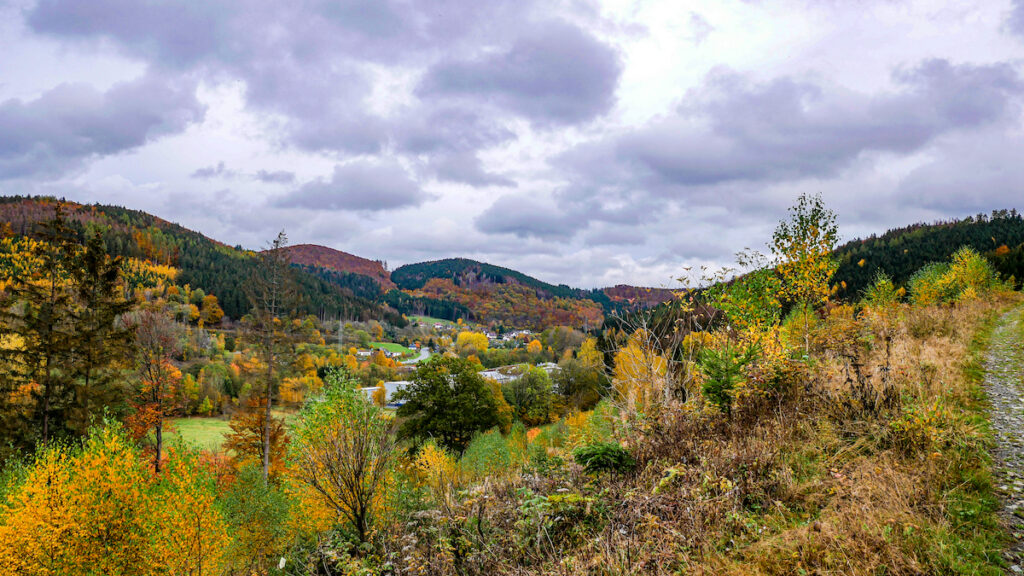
<point x="447" y="400"/>
<point x="803" y="245"/>
<point x="580" y="384"/>
<point x="531" y="396"/>
<point x="102" y="344"/>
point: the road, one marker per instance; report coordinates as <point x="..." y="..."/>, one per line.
<point x="424" y="354"/>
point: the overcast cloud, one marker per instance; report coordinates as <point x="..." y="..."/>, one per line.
<point x="588" y="143"/>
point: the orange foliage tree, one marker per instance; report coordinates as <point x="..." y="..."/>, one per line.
<point x="246" y="438"/>
<point x="160" y="393"/>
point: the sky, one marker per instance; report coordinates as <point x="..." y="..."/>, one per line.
<point x="585" y="143"/>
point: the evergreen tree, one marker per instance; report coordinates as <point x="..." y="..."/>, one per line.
<point x="39" y="339"/>
<point x="101" y="341"/>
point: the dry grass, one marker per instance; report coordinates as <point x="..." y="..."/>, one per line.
<point x="873" y="463"/>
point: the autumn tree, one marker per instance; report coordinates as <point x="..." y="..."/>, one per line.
<point x="273" y="295"/>
<point x="470" y="343"/>
<point x="803" y="245"/>
<point x="750" y="300"/>
<point x="581" y="380"/>
<point x="246" y="439"/>
<point x="158" y="394"/>
<point x="641" y="372"/>
<point x="93" y="509"/>
<point x="344" y="449"/>
<point x="210" y="312"/>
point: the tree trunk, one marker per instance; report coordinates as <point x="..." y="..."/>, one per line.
<point x="266" y="419"/>
<point x="159" y="444"/>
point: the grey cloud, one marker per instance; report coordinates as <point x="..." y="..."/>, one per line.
<point x="555" y="73"/>
<point x="614" y="236"/>
<point x="734" y="130"/>
<point x="305" y="61"/>
<point x="967" y="176"/>
<point x="700" y="27"/>
<point x="466" y="168"/>
<point x="71" y="123"/>
<point x="525" y="217"/>
<point x="447" y="128"/>
<point x="218" y="170"/>
<point x="448" y="137"/>
<point x="358" y="186"/>
<point x="177" y="34"/>
<point x="275" y="177"/>
<point x="1015" y="19"/>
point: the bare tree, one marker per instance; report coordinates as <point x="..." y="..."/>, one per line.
<point x="272" y="294"/>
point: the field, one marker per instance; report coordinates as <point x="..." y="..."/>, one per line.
<point x="206" y="433"/>
<point x="429" y="320"/>
<point x="392" y="347"/>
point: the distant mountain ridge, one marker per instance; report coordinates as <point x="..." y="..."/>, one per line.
<point x="335" y="283"/>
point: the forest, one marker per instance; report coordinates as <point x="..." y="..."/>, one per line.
<point x="772" y="422"/>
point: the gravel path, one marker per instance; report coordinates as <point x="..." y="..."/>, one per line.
<point x="1004" y="379"/>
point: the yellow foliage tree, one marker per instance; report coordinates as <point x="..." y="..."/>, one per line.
<point x="804" y="244"/>
<point x="640" y="377"/>
<point x="470" y="343"/>
<point x="534" y="347"/>
<point x="97" y="510"/>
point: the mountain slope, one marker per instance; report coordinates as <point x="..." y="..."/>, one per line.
<point x="468" y="273"/>
<point x="331" y="259"/>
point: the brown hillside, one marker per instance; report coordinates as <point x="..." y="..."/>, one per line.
<point x="639" y="296"/>
<point x="324" y="257"/>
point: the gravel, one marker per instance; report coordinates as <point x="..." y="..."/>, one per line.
<point x="1004" y="379"/>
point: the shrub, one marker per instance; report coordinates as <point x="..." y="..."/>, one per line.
<point x="489" y="454"/>
<point x="604" y="457"/>
<point x="722" y="368"/>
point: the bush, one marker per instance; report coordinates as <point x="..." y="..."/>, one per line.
<point x="723" y="370"/>
<point x="604" y="457"/>
<point x="489" y="454"/>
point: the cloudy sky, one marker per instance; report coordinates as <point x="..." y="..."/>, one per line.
<point x="589" y="143"/>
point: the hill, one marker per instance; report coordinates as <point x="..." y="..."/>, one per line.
<point x="902" y="251"/>
<point x="502" y="295"/>
<point x="638" y="296"/>
<point x="338" y="261"/>
<point x="200" y="261"/>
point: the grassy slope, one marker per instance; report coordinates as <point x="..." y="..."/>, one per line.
<point x="391" y="347"/>
<point x="207" y="433"/>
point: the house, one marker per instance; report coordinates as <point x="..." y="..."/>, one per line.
<point x="390" y="388"/>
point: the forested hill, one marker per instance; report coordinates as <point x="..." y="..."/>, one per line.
<point x="902" y="251"/>
<point x="468" y="273"/>
<point x="201" y="262"/>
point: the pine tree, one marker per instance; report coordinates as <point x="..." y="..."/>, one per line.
<point x="38" y="332"/>
<point x="101" y="342"/>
